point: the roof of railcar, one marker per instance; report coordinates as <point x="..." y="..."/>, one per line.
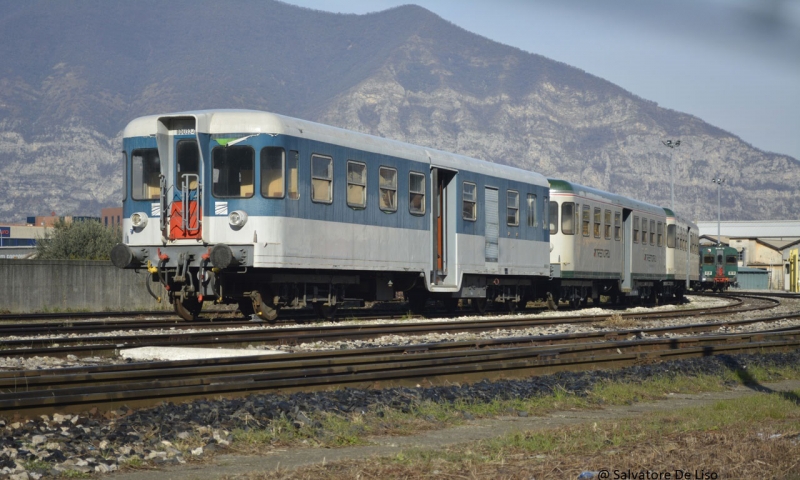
<point x="680" y="218"/>
<point x="255" y="122"/>
<point x="558" y="185"/>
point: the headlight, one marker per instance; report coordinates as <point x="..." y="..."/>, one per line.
<point x="139" y="220"/>
<point x="237" y="218"/>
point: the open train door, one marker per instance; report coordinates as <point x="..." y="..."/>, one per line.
<point x="444" y="272"/>
<point x="627" y="251"/>
<point x="181" y="181"/>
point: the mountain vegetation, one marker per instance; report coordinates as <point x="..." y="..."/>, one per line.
<point x="76" y="72"/>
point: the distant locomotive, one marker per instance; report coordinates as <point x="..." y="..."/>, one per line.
<point x="267" y="211"/>
<point x="719" y="268"/>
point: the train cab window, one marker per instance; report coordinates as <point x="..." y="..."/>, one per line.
<point x="553" y="218"/>
<point x="294" y="172"/>
<point x="708" y="259"/>
<point x="660" y="231"/>
<point x="233" y="171"/>
<point x="388" y="188"/>
<point x="597" y="214"/>
<point x="124" y="176"/>
<point x="356" y="184"/>
<point x="671" y="229"/>
<point x="585" y="220"/>
<point x="568" y="218"/>
<point x="145" y="173"/>
<point x="188" y="164"/>
<point x="321" y="179"/>
<point x="272" y="172"/>
<point x="635" y="229"/>
<point x="652" y="232"/>
<point x="617" y="226"/>
<point x="607" y="224"/>
<point x="512" y="208"/>
<point x="469" y="208"/>
<point x="532" y="211"/>
<point x="731" y="259"/>
<point x="416" y="193"/>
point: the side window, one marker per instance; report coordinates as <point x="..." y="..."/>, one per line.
<point x="635" y="229"/>
<point x="617" y="226"/>
<point x="597" y="213"/>
<point x="567" y="216"/>
<point x="644" y="231"/>
<point x="272" y="172"/>
<point x="652" y="232"/>
<point x="469" y="208"/>
<point x="233" y="171"/>
<point x="660" y="234"/>
<point x="553" y="218"/>
<point x="416" y="193"/>
<point x="294" y="170"/>
<point x="585" y="218"/>
<point x="145" y="173"/>
<point x="356" y="184"/>
<point x="671" y="236"/>
<point x="321" y="179"/>
<point x="532" y="210"/>
<point x="388" y="188"/>
<point x="512" y="210"/>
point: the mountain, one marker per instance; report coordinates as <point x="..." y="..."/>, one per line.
<point x="76" y="72"/>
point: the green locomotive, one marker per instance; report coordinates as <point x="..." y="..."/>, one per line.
<point x="719" y="266"/>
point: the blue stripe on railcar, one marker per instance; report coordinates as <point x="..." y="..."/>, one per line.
<point x="338" y="210"/>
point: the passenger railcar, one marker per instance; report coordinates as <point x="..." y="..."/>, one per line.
<point x="268" y="211"/>
<point x="683" y="255"/>
<point x="605" y="244"/>
<point x="719" y="268"/>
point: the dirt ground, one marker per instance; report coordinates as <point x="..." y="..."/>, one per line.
<point x="479" y="429"/>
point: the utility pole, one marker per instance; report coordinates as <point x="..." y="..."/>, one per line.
<point x="719" y="182"/>
<point x="672" y="144"/>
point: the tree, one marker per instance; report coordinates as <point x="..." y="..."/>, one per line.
<point x="81" y="240"/>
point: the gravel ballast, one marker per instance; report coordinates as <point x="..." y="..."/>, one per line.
<point x="100" y="442"/>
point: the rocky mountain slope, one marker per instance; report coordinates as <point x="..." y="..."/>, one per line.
<point x="76" y="73"/>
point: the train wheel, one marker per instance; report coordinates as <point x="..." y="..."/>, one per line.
<point x="417" y="301"/>
<point x="450" y="304"/>
<point x="479" y="305"/>
<point x="188" y="309"/>
<point x="511" y="306"/>
<point x="246" y="308"/>
<point x="325" y="312"/>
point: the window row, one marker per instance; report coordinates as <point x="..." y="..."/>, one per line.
<point x="656" y="232"/>
<point x="233" y="176"/>
<point x="681" y="239"/>
<point x="597" y="222"/>
<point x="469" y="209"/>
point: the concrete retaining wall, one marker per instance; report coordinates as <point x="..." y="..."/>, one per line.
<point x="74" y="285"/>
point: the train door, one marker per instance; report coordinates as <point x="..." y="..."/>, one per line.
<point x="181" y="182"/>
<point x="443" y="227"/>
<point x="627" y="250"/>
<point x="492" y="209"/>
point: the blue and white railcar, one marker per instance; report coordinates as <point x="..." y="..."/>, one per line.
<point x="265" y="210"/>
<point x="604" y="244"/>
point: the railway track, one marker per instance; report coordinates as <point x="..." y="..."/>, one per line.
<point x="110" y="345"/>
<point x="138" y="385"/>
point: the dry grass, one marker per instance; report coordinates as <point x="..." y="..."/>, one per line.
<point x="753" y="437"/>
<point x="617" y="321"/>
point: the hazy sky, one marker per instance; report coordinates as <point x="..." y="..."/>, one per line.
<point x="732" y="63"/>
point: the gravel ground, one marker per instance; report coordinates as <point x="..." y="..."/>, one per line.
<point x="95" y="443"/>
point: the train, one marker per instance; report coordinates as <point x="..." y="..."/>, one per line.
<point x="270" y="212"/>
<point x="719" y="268"/>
